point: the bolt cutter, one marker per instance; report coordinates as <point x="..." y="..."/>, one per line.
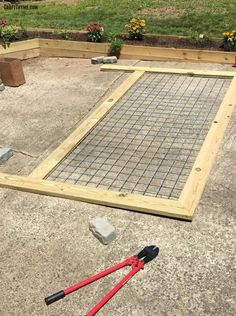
<point x="136" y="262"/>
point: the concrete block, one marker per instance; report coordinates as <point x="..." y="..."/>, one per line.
<point x="102" y="230"/>
<point x="97" y="60"/>
<point x="5" y="154"/>
<point x="110" y="60"/>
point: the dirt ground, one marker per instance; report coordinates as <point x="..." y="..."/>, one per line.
<point x="46" y="244"/>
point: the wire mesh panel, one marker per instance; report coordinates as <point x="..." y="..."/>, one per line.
<point x="148" y="142"/>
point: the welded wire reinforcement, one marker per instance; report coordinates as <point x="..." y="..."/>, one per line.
<point x="148" y="142"/>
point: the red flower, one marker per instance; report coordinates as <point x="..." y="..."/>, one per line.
<point x="3" y="23"/>
<point x="93" y="26"/>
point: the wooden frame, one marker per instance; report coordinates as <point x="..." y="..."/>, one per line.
<point x="63" y="48"/>
<point x="183" y="208"/>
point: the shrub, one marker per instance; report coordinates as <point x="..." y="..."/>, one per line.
<point x="136" y="28"/>
<point x="7" y="33"/>
<point x="229" y="41"/>
<point x="95" y="32"/>
<point x="115" y="45"/>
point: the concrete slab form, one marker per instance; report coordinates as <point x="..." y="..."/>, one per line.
<point x="149" y="141"/>
<point x="207" y="129"/>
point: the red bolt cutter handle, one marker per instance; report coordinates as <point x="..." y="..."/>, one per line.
<point x="137" y="263"/>
<point x="61" y="294"/>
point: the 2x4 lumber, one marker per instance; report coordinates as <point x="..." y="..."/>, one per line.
<point x="22" y="50"/>
<point x="71" y="142"/>
<point x="193" y="72"/>
<point x="157" y="53"/>
<point x="64" y="48"/>
<point x="93" y="195"/>
<point x="72" y="45"/>
<point x="65" y="53"/>
<point x="194" y="186"/>
<point x="24" y="54"/>
<point x="20" y="46"/>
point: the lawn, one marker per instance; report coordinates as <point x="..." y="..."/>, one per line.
<point x="176" y="17"/>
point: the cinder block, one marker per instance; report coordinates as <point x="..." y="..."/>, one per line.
<point x="11" y="72"/>
<point x="110" y="60"/>
<point x="102" y="230"/>
<point x="97" y="60"/>
<point x="5" y="154"/>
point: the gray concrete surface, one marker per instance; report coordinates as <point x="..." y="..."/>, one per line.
<point x="46" y="244"/>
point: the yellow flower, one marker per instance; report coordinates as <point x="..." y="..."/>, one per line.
<point x="142" y="22"/>
<point x="225" y="34"/>
<point x="133" y="20"/>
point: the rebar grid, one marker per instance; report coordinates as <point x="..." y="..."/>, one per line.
<point x="148" y="142"/>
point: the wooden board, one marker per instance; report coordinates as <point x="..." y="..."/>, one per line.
<point x="195" y="184"/>
<point x="93" y="195"/>
<point x="63" y="48"/>
<point x="20" y="46"/>
<point x="22" y="50"/>
<point x="197" y="72"/>
<point x="24" y="54"/>
<point x="72" y="45"/>
<point x="158" y="53"/>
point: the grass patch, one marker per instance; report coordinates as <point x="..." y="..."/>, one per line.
<point x="176" y="17"/>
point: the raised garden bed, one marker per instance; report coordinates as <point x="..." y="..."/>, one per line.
<point x="53" y="44"/>
<point x="166" y="41"/>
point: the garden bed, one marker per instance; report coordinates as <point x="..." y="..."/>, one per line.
<point x="148" y="40"/>
<point x="75" y="44"/>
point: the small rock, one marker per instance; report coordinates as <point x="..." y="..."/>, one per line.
<point x="110" y="60"/>
<point x="2" y="87"/>
<point x="102" y="230"/>
<point x="97" y="60"/>
<point x="5" y="154"/>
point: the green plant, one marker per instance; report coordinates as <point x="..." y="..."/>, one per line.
<point x="200" y="38"/>
<point x="66" y="35"/>
<point x="95" y="32"/>
<point x="115" y="45"/>
<point x="229" y="41"/>
<point x="7" y="33"/>
<point x="136" y="28"/>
